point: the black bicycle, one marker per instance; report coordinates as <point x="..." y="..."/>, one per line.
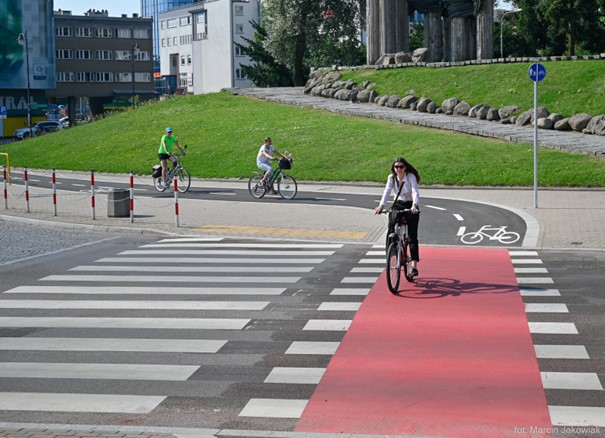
<point x="286" y="184"/>
<point x="176" y="171"/>
<point x="398" y="251"/>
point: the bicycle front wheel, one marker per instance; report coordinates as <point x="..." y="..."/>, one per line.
<point x="286" y="186"/>
<point x="184" y="180"/>
<point x="157" y="183"/>
<point x="406" y="258"/>
<point x="255" y="186"/>
<point x="393" y="267"/>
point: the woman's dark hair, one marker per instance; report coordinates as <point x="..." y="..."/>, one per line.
<point x="409" y="168"/>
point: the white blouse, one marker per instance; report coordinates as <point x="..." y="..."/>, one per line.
<point x="409" y="192"/>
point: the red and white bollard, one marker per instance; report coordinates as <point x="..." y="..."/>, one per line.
<point x="92" y="191"/>
<point x="5" y="189"/>
<point x="131" y="197"/>
<point x="176" y="202"/>
<point x="26" y="189"/>
<point x="54" y="180"/>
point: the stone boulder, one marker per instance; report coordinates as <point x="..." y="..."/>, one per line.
<point x="420" y="55"/>
<point x="449" y="104"/>
<point x="525" y="118"/>
<point x="542" y="113"/>
<point x="506" y="111"/>
<point x="479" y="111"/>
<point x="422" y="104"/>
<point x="311" y="83"/>
<point x="555" y="117"/>
<point x="432" y="107"/>
<point x="562" y="125"/>
<point x="392" y="101"/>
<point x="462" y="109"/>
<point x="330" y="78"/>
<point x="545" y="123"/>
<point x="343" y="94"/>
<point x="402" y="57"/>
<point x="382" y="101"/>
<point x="580" y="121"/>
<point x="366" y="96"/>
<point x="596" y="126"/>
<point x="406" y="102"/>
<point x="493" y="115"/>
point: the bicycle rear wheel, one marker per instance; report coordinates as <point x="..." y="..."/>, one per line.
<point x="184" y="180"/>
<point x="406" y="258"/>
<point x="393" y="267"/>
<point x="157" y="183"/>
<point x="255" y="186"/>
<point x="286" y="186"/>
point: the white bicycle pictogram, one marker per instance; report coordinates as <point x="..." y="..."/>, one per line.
<point x="492" y="233"/>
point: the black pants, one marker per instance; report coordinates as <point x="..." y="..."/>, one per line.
<point x="412" y="220"/>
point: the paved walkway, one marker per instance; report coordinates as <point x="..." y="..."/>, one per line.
<point x="562" y="140"/>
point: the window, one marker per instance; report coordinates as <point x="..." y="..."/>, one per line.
<point x="201" y="25"/>
<point x="142" y="34"/>
<point x="63" y="54"/>
<point x="123" y="55"/>
<point x="238" y="51"/>
<point x="106" y="55"/>
<point x="239" y="28"/>
<point x="142" y="77"/>
<point x="104" y="77"/>
<point x="163" y="42"/>
<point x="239" y="10"/>
<point x="184" y="21"/>
<point x="239" y="74"/>
<point x="163" y="24"/>
<point x="172" y="23"/>
<point x="182" y="59"/>
<point x="185" y="39"/>
<point x="183" y="79"/>
<point x="85" y="77"/>
<point x="104" y="33"/>
<point x="124" y="33"/>
<point x="84" y="54"/>
<point x="63" y="31"/>
<point x="65" y="76"/>
<point x="188" y="59"/>
<point x="83" y="32"/>
<point x="124" y="77"/>
<point x="142" y="56"/>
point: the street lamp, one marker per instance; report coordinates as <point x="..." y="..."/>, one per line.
<point x="22" y="40"/>
<point x="135" y="51"/>
<point x="501" y="21"/>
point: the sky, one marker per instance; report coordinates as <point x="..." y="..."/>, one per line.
<point x="115" y="7"/>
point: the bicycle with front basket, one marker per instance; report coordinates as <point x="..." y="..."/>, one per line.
<point x="398" y="251"/>
<point x="286" y="184"/>
<point x="176" y="171"/>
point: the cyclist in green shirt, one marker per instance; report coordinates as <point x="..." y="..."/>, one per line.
<point x="165" y="152"/>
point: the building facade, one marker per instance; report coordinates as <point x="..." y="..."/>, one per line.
<point x="106" y="59"/>
<point x="198" y="52"/>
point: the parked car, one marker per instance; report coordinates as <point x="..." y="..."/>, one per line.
<point x="39" y="129"/>
<point x="64" y="121"/>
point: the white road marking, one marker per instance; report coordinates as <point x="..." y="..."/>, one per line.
<point x="311" y="347"/>
<point x="274" y="408"/>
<point x="129" y="323"/>
<point x="50" y="402"/>
<point x="561" y="352"/>
<point x="295" y="375"/>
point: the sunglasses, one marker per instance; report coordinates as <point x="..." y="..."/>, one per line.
<point x="398" y="166"/>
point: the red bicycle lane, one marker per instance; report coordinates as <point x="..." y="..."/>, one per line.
<point x="450" y="355"/>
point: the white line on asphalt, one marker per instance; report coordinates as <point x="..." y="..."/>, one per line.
<point x="538" y="292"/>
<point x="359" y="280"/>
<point x="49" y="402"/>
<point x="572" y="381"/>
<point x="192" y="239"/>
<point x="350" y="291"/>
<point x="339" y="307"/>
<point x="145" y="290"/>
<point x="222" y="269"/>
<point x="546" y="308"/>
<point x="372" y="261"/>
<point x="461" y="231"/>
<point x="133" y="304"/>
<point x="526" y="261"/>
<point x="561" y="352"/>
<point x="531" y="271"/>
<point x="274" y="408"/>
<point x="371" y="270"/>
<point x="458" y="217"/>
<point x="170" y="279"/>
<point x="261" y="253"/>
<point x="169" y="244"/>
<point x="312" y="347"/>
<point x="328" y="324"/>
<point x="436" y="208"/>
<point x="120" y="371"/>
<point x="534" y="280"/>
<point x="515" y="253"/>
<point x="294" y="375"/>
<point x="174" y="260"/>
<point x="126" y="323"/>
<point x="581" y="416"/>
<point x="112" y="344"/>
<point x="553" y="328"/>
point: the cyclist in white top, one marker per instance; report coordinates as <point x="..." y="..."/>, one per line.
<point x="403" y="173"/>
<point x="264" y="158"/>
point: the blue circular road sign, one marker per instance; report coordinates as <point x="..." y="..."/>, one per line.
<point x="537" y="72"/>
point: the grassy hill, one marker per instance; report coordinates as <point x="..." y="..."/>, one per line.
<point x="224" y="133"/>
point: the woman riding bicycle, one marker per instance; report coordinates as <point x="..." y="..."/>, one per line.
<point x="403" y="180"/>
<point x="264" y="158"/>
<point x="165" y="152"/>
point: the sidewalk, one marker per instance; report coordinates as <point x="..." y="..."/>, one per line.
<point x="567" y="219"/>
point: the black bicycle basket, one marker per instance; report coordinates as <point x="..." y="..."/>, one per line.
<point x="284" y="163"/>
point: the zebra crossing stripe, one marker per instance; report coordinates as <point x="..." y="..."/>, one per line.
<point x="538" y="292"/>
<point x="339" y="307"/>
<point x="328" y="324"/>
<point x="126" y="323"/>
<point x="561" y="352"/>
<point x="514" y="253"/>
<point x="350" y="291"/>
<point x="170" y="279"/>
<point x="363" y="270"/>
<point x="106" y="403"/>
<point x="274" y="408"/>
<point x="167" y="244"/>
<point x="546" y="308"/>
<point x="573" y="381"/>
<point x="581" y="416"/>
<point x="534" y="280"/>
<point x="122" y="371"/>
<point x="531" y="271"/>
<point x="211" y="269"/>
<point x="133" y="304"/>
<point x="294" y="375"/>
<point x="206" y="260"/>
<point x="312" y="347"/>
<point x="112" y="344"/>
<point x="371" y="280"/>
<point x="144" y="290"/>
<point x="553" y="328"/>
<point x="526" y="261"/>
<point x="255" y="253"/>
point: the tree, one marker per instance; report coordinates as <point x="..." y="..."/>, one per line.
<point x="266" y="71"/>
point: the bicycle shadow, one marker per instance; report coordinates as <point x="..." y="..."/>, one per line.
<point x="432" y="288"/>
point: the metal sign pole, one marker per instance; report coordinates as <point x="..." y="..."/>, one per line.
<point x="535" y="144"/>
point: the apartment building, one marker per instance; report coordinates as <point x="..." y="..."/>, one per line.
<point x="107" y="60"/>
<point x="197" y="45"/>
